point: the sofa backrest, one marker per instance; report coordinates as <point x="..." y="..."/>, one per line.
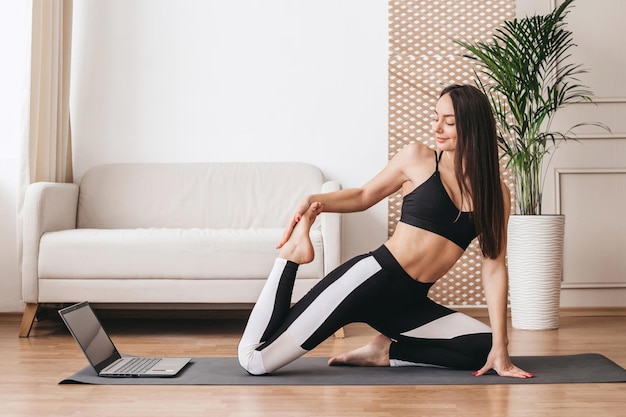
<point x="187" y="195"/>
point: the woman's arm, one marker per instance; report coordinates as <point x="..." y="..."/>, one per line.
<point x="386" y="182"/>
<point x="351" y="200"/>
<point x="495" y="283"/>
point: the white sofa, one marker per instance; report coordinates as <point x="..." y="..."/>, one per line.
<point x="201" y="233"/>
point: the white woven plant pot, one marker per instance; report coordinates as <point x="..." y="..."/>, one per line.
<point x="535" y="260"/>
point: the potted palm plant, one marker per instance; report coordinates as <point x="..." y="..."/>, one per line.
<point x="525" y="71"/>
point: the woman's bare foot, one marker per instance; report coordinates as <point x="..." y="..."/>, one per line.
<point x="375" y="353"/>
<point x="299" y="248"/>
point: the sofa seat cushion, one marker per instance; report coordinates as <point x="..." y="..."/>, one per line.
<point x="166" y="254"/>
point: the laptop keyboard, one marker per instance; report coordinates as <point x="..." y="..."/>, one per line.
<point x="138" y="365"/>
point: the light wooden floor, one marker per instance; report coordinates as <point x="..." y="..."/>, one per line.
<point x="34" y="366"/>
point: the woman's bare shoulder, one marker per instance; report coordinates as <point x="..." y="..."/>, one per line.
<point x="416" y="161"/>
<point x="417" y="151"/>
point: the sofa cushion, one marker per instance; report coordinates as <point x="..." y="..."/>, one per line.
<point x="166" y="253"/>
<point x="185" y="195"/>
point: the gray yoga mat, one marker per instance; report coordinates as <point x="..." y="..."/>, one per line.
<point x="583" y="368"/>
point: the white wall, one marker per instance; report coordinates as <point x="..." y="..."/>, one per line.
<point x="197" y="80"/>
<point x="209" y="80"/>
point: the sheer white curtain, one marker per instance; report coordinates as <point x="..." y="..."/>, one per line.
<point x="46" y="149"/>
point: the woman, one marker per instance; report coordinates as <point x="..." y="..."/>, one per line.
<point x="451" y="195"/>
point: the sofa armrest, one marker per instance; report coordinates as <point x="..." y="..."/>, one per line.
<point x="48" y="207"/>
<point x="331" y="232"/>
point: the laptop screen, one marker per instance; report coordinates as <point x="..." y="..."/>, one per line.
<point x="88" y="332"/>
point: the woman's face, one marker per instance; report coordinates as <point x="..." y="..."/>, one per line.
<point x="444" y="126"/>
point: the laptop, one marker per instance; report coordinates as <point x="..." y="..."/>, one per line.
<point x="82" y="322"/>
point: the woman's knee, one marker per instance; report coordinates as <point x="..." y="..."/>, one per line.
<point x="250" y="359"/>
<point x="252" y="366"/>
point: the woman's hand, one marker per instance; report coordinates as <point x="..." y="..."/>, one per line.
<point x="302" y="207"/>
<point x="499" y="361"/>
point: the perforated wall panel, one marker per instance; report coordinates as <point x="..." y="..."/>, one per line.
<point x="423" y="59"/>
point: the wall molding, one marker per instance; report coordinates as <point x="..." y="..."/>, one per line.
<point x="595" y="136"/>
<point x="558" y="172"/>
<point x="592" y="285"/>
<point x="605" y="100"/>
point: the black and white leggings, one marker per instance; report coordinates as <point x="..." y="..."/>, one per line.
<point x="372" y="289"/>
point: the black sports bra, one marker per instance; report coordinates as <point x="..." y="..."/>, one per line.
<point x="429" y="207"/>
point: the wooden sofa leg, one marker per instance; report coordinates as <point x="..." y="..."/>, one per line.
<point x="340" y="334"/>
<point x="30" y="311"/>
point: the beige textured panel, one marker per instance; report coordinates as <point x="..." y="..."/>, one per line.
<point x="423" y="59"/>
<point x="598" y="49"/>
<point x="587" y="198"/>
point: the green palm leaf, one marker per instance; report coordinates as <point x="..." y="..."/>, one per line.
<point x="525" y="72"/>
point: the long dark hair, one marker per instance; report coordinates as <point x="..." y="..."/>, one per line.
<point x="476" y="164"/>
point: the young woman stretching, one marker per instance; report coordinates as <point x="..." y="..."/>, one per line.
<point x="451" y="196"/>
